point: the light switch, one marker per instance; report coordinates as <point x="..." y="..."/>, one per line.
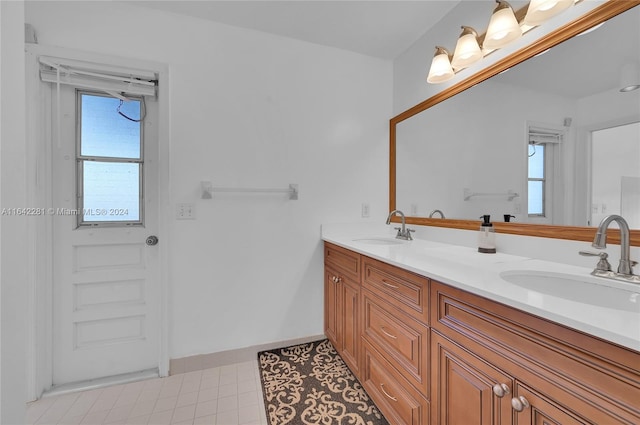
<point x="185" y="211"/>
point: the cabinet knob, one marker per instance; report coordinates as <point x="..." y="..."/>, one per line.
<point x="336" y="279"/>
<point x="501" y="390"/>
<point x="519" y="403"/>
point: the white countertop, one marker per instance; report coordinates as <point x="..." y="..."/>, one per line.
<point x="588" y="310"/>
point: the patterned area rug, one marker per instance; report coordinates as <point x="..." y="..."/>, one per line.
<point x="311" y="384"/>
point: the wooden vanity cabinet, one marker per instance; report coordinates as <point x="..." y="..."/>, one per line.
<point x="468" y="390"/>
<point x="395" y="341"/>
<point x="503" y="366"/>
<point x="430" y="353"/>
<point x="342" y="303"/>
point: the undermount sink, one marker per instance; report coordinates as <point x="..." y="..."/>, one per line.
<point x="380" y="241"/>
<point x="582" y="289"/>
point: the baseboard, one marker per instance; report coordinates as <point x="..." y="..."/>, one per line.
<point x="107" y="381"/>
<point x="223" y="358"/>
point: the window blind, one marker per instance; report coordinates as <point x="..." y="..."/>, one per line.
<point x="540" y="137"/>
<point x="87" y="75"/>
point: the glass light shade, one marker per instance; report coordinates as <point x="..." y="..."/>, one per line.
<point x="541" y="10"/>
<point x="441" y="69"/>
<point x="629" y="78"/>
<point x="467" y="49"/>
<point x="503" y="27"/>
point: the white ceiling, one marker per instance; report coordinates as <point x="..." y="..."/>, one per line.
<point x="385" y="29"/>
<point x="381" y="29"/>
<point x="584" y="65"/>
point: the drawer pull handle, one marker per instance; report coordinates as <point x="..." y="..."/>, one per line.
<point x="389" y="285"/>
<point x="501" y="390"/>
<point x="387" y="333"/>
<point x="519" y="403"/>
<point x="336" y="279"/>
<point x="387" y="394"/>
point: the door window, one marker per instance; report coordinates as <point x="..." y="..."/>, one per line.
<point x="109" y="160"/>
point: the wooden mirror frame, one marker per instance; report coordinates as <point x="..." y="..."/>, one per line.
<point x="598" y="15"/>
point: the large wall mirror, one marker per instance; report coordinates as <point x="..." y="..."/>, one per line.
<point x="544" y="137"/>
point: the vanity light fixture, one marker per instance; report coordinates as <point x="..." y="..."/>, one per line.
<point x="629" y="78"/>
<point x="503" y="27"/>
<point x="467" y="49"/>
<point x="542" y="10"/>
<point x="441" y="69"/>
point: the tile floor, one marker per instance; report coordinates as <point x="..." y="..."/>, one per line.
<point x="227" y="395"/>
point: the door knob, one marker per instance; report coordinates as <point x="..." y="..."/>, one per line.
<point x="152" y="240"/>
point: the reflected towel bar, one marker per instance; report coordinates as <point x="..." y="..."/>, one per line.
<point x="510" y="194"/>
<point x="208" y="189"/>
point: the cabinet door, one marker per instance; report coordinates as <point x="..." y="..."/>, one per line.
<point x="466" y="389"/>
<point x="350" y="335"/>
<point x="333" y="307"/>
<point x="533" y="408"/>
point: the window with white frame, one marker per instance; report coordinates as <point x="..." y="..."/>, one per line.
<point x="109" y="159"/>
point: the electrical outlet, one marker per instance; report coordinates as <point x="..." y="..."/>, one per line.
<point x="517" y="208"/>
<point x="604" y="208"/>
<point x="185" y="211"/>
<point x="365" y="210"/>
<point x="414" y="209"/>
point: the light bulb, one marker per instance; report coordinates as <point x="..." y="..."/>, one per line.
<point x="542" y="10"/>
<point x="467" y="49"/>
<point x="503" y="27"/>
<point x="441" y="69"/>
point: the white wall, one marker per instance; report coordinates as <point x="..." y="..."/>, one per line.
<point x="486" y="150"/>
<point x="616" y="152"/>
<point x="248" y="109"/>
<point x="13" y="249"/>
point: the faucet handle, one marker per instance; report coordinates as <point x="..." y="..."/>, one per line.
<point x="603" y="264"/>
<point x="409" y="234"/>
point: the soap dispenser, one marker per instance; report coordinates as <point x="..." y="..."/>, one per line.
<point x="487" y="236"/>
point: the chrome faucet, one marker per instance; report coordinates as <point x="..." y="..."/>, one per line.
<point x="403" y="232"/>
<point x="625" y="267"/>
<point x="436" y="212"/>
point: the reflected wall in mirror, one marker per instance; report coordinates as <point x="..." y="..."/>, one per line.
<point x="550" y="142"/>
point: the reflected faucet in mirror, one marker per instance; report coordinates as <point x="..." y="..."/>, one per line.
<point x="434" y="212"/>
<point x="403" y="232"/>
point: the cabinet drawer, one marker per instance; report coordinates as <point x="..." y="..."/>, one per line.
<point x="598" y="379"/>
<point x="398" y="401"/>
<point x="403" y="341"/>
<point x="405" y="290"/>
<point x="343" y="260"/>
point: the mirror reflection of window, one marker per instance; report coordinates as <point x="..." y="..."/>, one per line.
<point x="536" y="180"/>
<point x="544" y="179"/>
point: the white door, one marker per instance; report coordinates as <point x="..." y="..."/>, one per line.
<point x="105" y="276"/>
